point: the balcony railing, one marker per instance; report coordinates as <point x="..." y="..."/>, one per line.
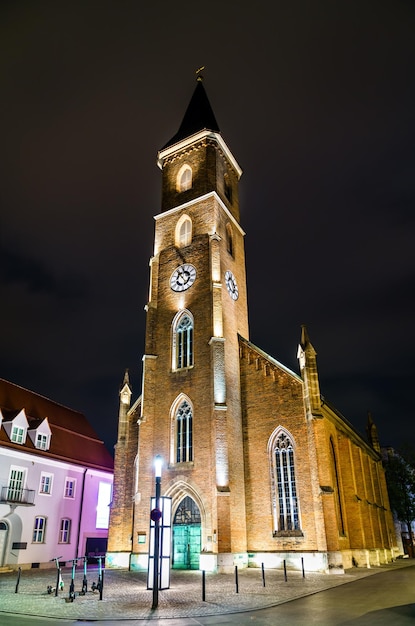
<point x="22" y="497"/>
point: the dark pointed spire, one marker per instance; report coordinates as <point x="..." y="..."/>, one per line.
<point x="304" y="336"/>
<point x="372" y="432"/>
<point x="125" y="389"/>
<point x="305" y="342"/>
<point x="199" y="116"/>
<point x="126" y="380"/>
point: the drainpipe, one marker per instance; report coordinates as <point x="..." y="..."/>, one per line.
<point x="80" y="515"/>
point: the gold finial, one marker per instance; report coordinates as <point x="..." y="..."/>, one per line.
<point x="198" y="73"/>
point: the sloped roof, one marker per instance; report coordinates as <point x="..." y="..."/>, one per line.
<point x="73" y="438"/>
<point x="269" y="358"/>
<point x="199" y="116"/>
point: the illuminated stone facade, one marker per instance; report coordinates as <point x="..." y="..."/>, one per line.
<point x="258" y="467"/>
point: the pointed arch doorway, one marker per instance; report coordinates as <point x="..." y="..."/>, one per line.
<point x="187" y="532"/>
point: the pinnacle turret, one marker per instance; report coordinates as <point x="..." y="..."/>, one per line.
<point x="306" y="355"/>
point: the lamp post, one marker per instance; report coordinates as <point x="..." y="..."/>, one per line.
<point x="156" y="515"/>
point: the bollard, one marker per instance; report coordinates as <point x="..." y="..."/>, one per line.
<point x="263" y="574"/>
<point x="302" y="566"/>
<point x="236" y="579"/>
<point x="203" y="585"/>
<point x="19" y="571"/>
<point x="285" y="571"/>
<point x="101" y="588"/>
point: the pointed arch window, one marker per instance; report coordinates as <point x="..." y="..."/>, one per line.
<point x="339" y="508"/>
<point x="183" y="235"/>
<point x="228" y="188"/>
<point x="229" y="239"/>
<point x="285" y="497"/>
<point x="184" y="179"/>
<point x="184" y="432"/>
<point x="182" y="341"/>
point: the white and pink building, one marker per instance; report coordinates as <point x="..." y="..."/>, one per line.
<point x="55" y="482"/>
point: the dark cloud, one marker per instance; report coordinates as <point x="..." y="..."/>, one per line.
<point x="34" y="276"/>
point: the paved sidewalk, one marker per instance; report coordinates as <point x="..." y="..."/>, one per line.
<point x="125" y="595"/>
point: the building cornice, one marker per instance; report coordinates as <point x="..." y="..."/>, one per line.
<point x="189" y="141"/>
<point x="206" y="196"/>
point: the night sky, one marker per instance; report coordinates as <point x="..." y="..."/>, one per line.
<point x="316" y="100"/>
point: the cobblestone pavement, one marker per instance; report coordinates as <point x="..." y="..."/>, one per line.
<point x="125" y="595"/>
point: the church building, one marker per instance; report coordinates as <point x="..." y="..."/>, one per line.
<point x="258" y="465"/>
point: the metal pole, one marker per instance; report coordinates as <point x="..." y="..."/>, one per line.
<point x="58" y="580"/>
<point x="101" y="589"/>
<point x="156" y="547"/>
<point x="72" y="585"/>
<point x="302" y="566"/>
<point x="285" y="571"/>
<point x="19" y="571"/>
<point x="203" y="585"/>
<point x="85" y="581"/>
<point x="236" y="579"/>
<point x="263" y="574"/>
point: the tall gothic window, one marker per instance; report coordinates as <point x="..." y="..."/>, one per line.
<point x="184" y="433"/>
<point x="228" y="188"/>
<point x="184" y="179"/>
<point x="337" y="488"/>
<point x="183" y="235"/>
<point x="229" y="239"/>
<point x="287" y="502"/>
<point x="183" y="341"/>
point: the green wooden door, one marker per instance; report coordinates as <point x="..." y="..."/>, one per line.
<point x="186" y="546"/>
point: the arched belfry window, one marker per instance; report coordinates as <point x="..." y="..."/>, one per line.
<point x="182" y="348"/>
<point x="183" y="234"/>
<point x="183" y="431"/>
<point x="228" y="188"/>
<point x="285" y="501"/>
<point x="184" y="178"/>
<point x="229" y="239"/>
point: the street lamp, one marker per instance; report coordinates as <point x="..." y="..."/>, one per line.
<point x="156" y="515"/>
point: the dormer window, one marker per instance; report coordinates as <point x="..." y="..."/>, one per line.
<point x="18" y="434"/>
<point x="184" y="179"/>
<point x="40" y="436"/>
<point x="16" y="428"/>
<point x="42" y="441"/>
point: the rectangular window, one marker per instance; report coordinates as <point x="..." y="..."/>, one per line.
<point x="18" y="434"/>
<point x="42" y="441"/>
<point x="65" y="530"/>
<point x="103" y="505"/>
<point x="70" y="488"/>
<point x="45" y="483"/>
<point x="39" y="530"/>
<point x="16" y="484"/>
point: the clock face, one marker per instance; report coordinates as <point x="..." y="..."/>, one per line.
<point x="231" y="285"/>
<point x="183" y="277"/>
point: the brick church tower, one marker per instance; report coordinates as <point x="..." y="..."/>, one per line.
<point x="190" y="409"/>
<point x="254" y="462"/>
